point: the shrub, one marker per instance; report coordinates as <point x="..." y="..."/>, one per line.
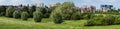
<point x="95" y="21"/>
<point x="57" y="18"/>
<point x="2" y="13"/>
<point x="76" y="16"/>
<point x="45" y="11"/>
<point x="24" y="15"/>
<point x="87" y="15"/>
<point x="108" y="20"/>
<point x="46" y="15"/>
<point x="117" y="20"/>
<point x="25" y="9"/>
<point x="37" y="16"/>
<point x="16" y="14"/>
<point x="2" y="10"/>
<point x="9" y="11"/>
<point x="31" y="10"/>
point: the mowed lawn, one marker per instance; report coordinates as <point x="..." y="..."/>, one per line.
<point x="11" y="23"/>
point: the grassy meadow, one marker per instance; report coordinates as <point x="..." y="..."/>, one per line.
<point x="11" y="23"/>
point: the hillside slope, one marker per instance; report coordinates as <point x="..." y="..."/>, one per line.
<point x="11" y="23"/>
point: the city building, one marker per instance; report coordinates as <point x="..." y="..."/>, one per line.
<point x="105" y="8"/>
<point x="87" y="9"/>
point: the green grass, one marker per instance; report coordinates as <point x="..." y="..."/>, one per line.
<point x="11" y="23"/>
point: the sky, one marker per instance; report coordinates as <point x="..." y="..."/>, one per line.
<point x="78" y="3"/>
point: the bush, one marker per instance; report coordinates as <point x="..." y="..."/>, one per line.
<point x="37" y="16"/>
<point x="25" y="9"/>
<point x="44" y="11"/>
<point x="57" y="18"/>
<point x="95" y="21"/>
<point x="46" y="15"/>
<point x="31" y="10"/>
<point x="9" y="12"/>
<point x="108" y="20"/>
<point x="16" y="14"/>
<point x="76" y="16"/>
<point x="24" y="15"/>
<point x="117" y="20"/>
<point x="87" y="15"/>
<point x="2" y="13"/>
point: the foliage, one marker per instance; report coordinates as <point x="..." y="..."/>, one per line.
<point x="37" y="16"/>
<point x="117" y="20"/>
<point x="76" y="16"/>
<point x="16" y="14"/>
<point x="24" y="15"/>
<point x="9" y="12"/>
<point x="46" y="15"/>
<point x="108" y="20"/>
<point x="66" y="10"/>
<point x="2" y="13"/>
<point x="45" y="11"/>
<point x="25" y="9"/>
<point x="2" y="10"/>
<point x="33" y="9"/>
<point x="57" y="18"/>
<point x="87" y="15"/>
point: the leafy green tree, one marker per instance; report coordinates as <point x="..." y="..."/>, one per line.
<point x="45" y="11"/>
<point x="16" y="14"/>
<point x="25" y="9"/>
<point x="57" y="18"/>
<point x="37" y="16"/>
<point x="66" y="10"/>
<point x="2" y="10"/>
<point x="76" y="16"/>
<point x="33" y="9"/>
<point x="9" y="12"/>
<point x="24" y="15"/>
<point x="55" y="6"/>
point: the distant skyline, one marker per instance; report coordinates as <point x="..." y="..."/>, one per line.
<point x="78" y="3"/>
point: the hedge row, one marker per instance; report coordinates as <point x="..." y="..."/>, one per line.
<point x="103" y="20"/>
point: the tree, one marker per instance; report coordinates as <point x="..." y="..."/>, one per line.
<point x="9" y="12"/>
<point x="63" y="11"/>
<point x="57" y="18"/>
<point x="33" y="9"/>
<point x="25" y="9"/>
<point x="2" y="10"/>
<point x="16" y="14"/>
<point x="66" y="10"/>
<point x="45" y="11"/>
<point x="24" y="15"/>
<point x="76" y="16"/>
<point x="37" y="16"/>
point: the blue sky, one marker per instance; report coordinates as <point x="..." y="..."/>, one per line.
<point x="97" y="3"/>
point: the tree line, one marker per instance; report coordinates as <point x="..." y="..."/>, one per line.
<point x="59" y="12"/>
